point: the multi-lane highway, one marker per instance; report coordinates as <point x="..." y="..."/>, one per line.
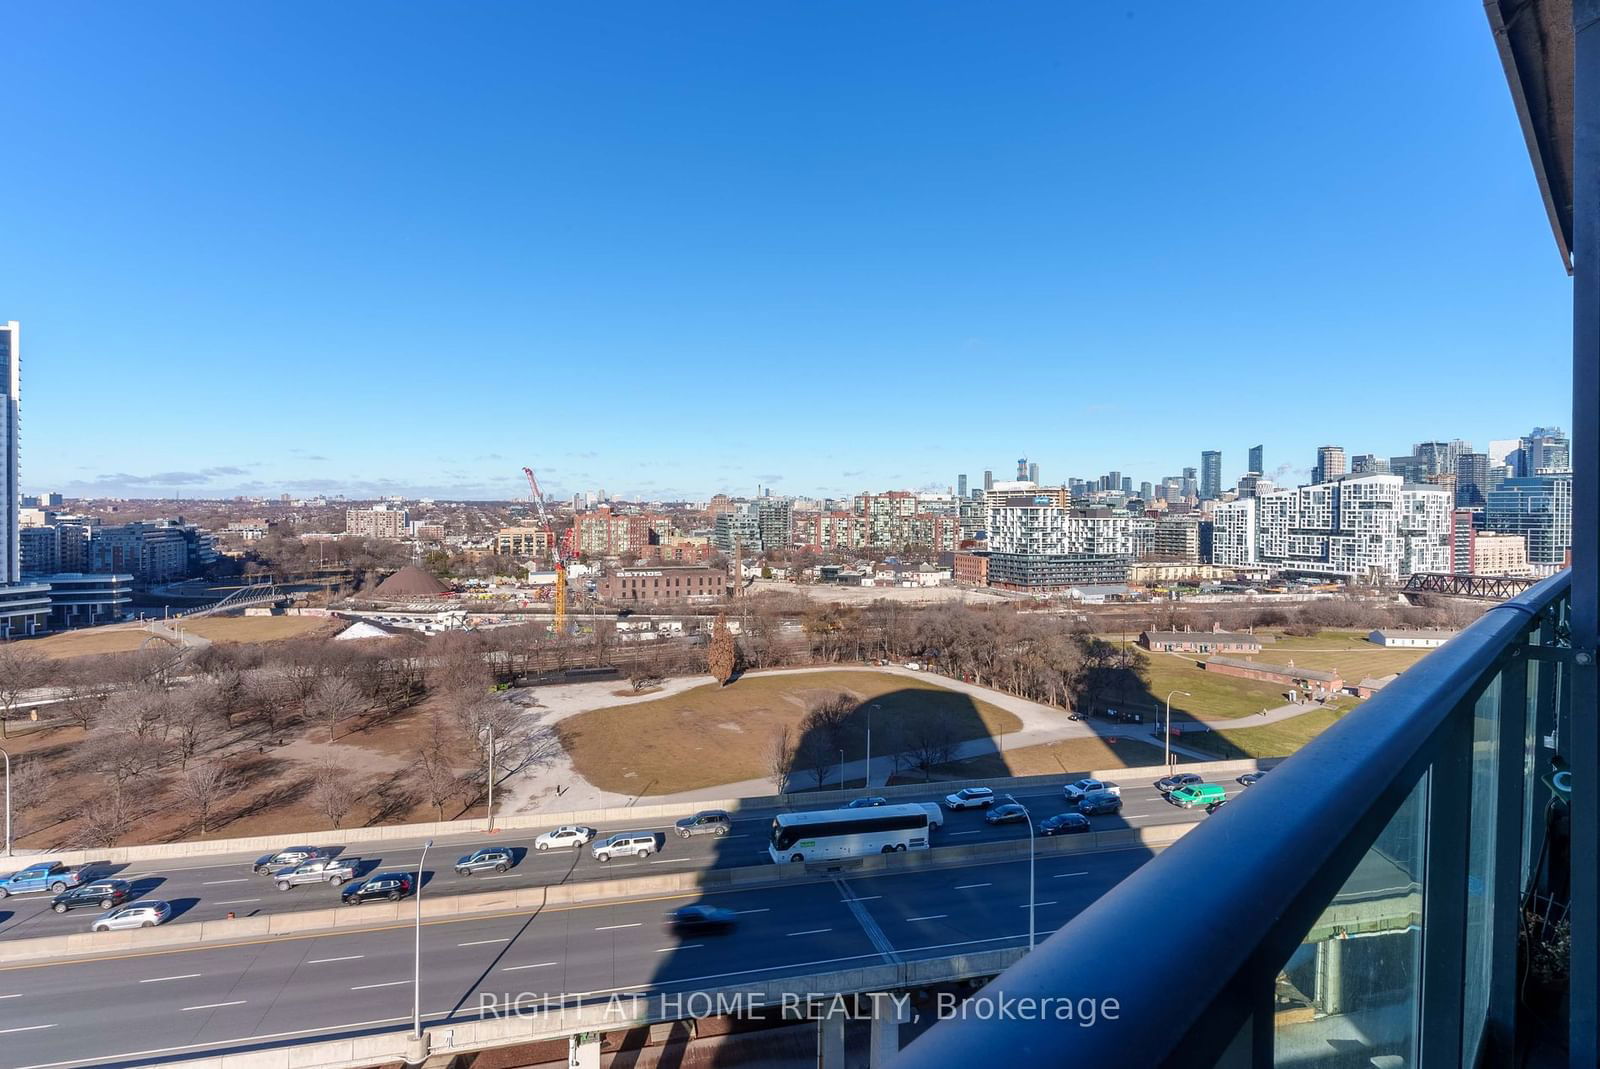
<point x="208" y="887"/>
<point x="146" y="1008"/>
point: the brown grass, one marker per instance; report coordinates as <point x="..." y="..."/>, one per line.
<point x="710" y="735"/>
<point x="123" y="638"/>
<point x="1070" y="757"/>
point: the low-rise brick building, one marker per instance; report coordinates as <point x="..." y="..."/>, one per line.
<point x="1314" y="681"/>
<point x="971" y="568"/>
<point x="1199" y="642"/>
<point x="662" y="583"/>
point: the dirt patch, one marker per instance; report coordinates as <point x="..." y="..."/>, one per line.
<point x="124" y="638"/>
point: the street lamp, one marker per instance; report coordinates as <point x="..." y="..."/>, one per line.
<point x="488" y="729"/>
<point x="841" y="768"/>
<point x="868" y="778"/>
<point x="1166" y="736"/>
<point x="8" y="801"/>
<point x="416" y="970"/>
<point x="1031" y="896"/>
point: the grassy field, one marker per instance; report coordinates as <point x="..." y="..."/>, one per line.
<point x="710" y="735"/>
<point x="1274" y="740"/>
<point x="121" y="638"/>
<point x="1068" y="757"/>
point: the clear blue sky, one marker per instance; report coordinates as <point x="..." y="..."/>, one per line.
<point x="674" y="248"/>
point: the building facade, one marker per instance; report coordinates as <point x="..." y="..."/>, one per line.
<point x="1537" y="507"/>
<point x="523" y="541"/>
<point x="378" y="522"/>
<point x="1330" y="464"/>
<point x="10" y="427"/>
<point x="1210" y="475"/>
<point x="662" y="584"/>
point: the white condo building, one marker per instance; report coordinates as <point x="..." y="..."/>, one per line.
<point x="1368" y="527"/>
<point x="24" y="607"/>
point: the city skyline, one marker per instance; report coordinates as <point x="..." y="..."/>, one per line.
<point x="811" y="221"/>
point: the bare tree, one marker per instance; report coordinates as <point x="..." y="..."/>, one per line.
<point x="333" y="699"/>
<point x="200" y="788"/>
<point x="437" y="780"/>
<point x="780" y="757"/>
<point x="21" y="670"/>
<point x="333" y="793"/>
<point x="30" y="785"/>
<point x="723" y="656"/>
<point x="929" y="742"/>
<point x="193" y="715"/>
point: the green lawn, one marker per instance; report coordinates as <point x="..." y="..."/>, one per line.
<point x="1071" y="757"/>
<point x="1212" y="694"/>
<point x="1274" y="740"/>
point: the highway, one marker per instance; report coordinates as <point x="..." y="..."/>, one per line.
<point x="144" y="1008"/>
<point x="208" y="887"/>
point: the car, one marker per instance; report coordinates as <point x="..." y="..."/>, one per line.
<point x="1074" y="791"/>
<point x="935" y="815"/>
<point x="625" y="844"/>
<point x="1250" y="778"/>
<point x="970" y="798"/>
<point x="866" y="803"/>
<point x="392" y="886"/>
<point x="1214" y="806"/>
<point x="286" y="858"/>
<point x="317" y="870"/>
<point x="564" y="836"/>
<point x="139" y="915"/>
<point x="52" y="876"/>
<point x="1192" y="794"/>
<point x="483" y="859"/>
<point x="706" y="822"/>
<point x="1009" y="813"/>
<point x="699" y="919"/>
<point x="1064" y="824"/>
<point x="107" y="894"/>
<point x="1168" y="784"/>
<point x="1096" y="803"/>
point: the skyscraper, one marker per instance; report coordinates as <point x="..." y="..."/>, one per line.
<point x="1256" y="460"/>
<point x="11" y="383"/>
<point x="1033" y="473"/>
<point x="1472" y="479"/>
<point x="961" y="486"/>
<point x="1191" y="486"/>
<point x="988" y="480"/>
<point x="1545" y="449"/>
<point x="1210" y="474"/>
<point x="1330" y="464"/>
<point x="1537" y="507"/>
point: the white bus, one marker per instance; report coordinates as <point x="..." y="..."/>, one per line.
<point x="836" y="833"/>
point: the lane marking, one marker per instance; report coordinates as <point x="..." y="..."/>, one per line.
<point x="213" y="883"/>
<point x="1064" y="875"/>
<point x="1025" y="905"/>
<point x="929" y="917"/>
<point x="500" y="876"/>
<point x="685" y="946"/>
<point x="324" y="961"/>
<point x="535" y="965"/>
<point x="863" y="898"/>
<point x="971" y="886"/>
<point x="239" y="902"/>
<point x="369" y="987"/>
<point x="813" y="931"/>
<point x="742" y="912"/>
<point x="164" y="979"/>
<point x="979" y="831"/>
<point x="614" y="927"/>
<point x="220" y="1005"/>
<point x="26" y="1028"/>
<point x="483" y="942"/>
<point x="17" y="995"/>
<point x="667" y="860"/>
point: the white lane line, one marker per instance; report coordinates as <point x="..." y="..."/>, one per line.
<point x="929" y="917"/>
<point x="1064" y="875"/>
<point x="500" y="876"/>
<point x="665" y="861"/>
<point x="1025" y="905"/>
<point x="164" y="979"/>
<point x="977" y="832"/>
<point x="482" y="942"/>
<point x="739" y="835"/>
<point x="971" y="886"/>
<point x="219" y="1005"/>
<point x="239" y="902"/>
<point x="26" y="1028"/>
<point x="742" y="912"/>
<point x="17" y="995"/>
<point x="863" y="898"/>
<point x="213" y="883"/>
<point x="614" y="927"/>
<point x="685" y="946"/>
<point x="324" y="961"/>
<point x="535" y="965"/>
<point x="813" y="931"/>
<point x="369" y="987"/>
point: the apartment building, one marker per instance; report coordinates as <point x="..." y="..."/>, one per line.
<point x="378" y="522"/>
<point x="1176" y="538"/>
<point x="523" y="541"/>
<point x="1039" y="547"/>
<point x="603" y="532"/>
<point x="1537" y="507"/>
<point x="1500" y="554"/>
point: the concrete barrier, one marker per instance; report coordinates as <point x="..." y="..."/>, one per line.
<point x="383" y="914"/>
<point x="612" y="818"/>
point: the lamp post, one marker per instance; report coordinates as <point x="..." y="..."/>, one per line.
<point x="1031" y="896"/>
<point x="868" y="778"/>
<point x="488" y="729"/>
<point x="416" y="968"/>
<point x="1166" y="736"/>
<point x="841" y="768"/>
<point x="8" y="801"/>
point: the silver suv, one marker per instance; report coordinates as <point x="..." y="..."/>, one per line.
<point x="322" y="870"/>
<point x="705" y="822"/>
<point x="625" y="844"/>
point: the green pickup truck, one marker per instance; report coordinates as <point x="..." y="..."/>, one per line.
<point x="1192" y="794"/>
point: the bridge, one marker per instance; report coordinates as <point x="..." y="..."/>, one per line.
<point x="242" y="598"/>
<point x="1483" y="587"/>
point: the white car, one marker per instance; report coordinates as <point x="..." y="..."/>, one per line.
<point x="1074" y="792"/>
<point x="567" y="835"/>
<point x="935" y="815"/>
<point x="138" y="915"/>
<point x="970" y="798"/>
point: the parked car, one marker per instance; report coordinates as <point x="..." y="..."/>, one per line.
<point x="40" y="876"/>
<point x="483" y="859"/>
<point x="1193" y="794"/>
<point x="392" y="886"/>
<point x="705" y="822"/>
<point x="1251" y="777"/>
<point x="1168" y="784"/>
<point x="565" y="836"/>
<point x="1096" y="803"/>
<point x="317" y="870"/>
<point x="625" y="844"/>
<point x="1009" y="813"/>
<point x="1064" y="824"/>
<point x="699" y="919"/>
<point x="292" y="855"/>
<point x="107" y="894"/>
<point x="1074" y="791"/>
<point x="970" y="798"/>
<point x="866" y="803"/>
<point x="139" y="915"/>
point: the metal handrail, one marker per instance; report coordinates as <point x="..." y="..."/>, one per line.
<point x="1189" y="945"/>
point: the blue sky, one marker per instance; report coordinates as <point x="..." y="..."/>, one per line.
<point x="669" y="248"/>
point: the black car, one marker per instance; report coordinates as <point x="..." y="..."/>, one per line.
<point x="1010" y="813"/>
<point x="866" y="803"/>
<point x="1214" y="806"/>
<point x="1168" y="784"/>
<point x="1251" y="777"/>
<point x="1064" y="824"/>
<point x="700" y="919"/>
<point x="1096" y="803"/>
<point x="102" y="894"/>
<point x="392" y="886"/>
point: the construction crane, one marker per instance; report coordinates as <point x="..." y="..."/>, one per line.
<point x="556" y="551"/>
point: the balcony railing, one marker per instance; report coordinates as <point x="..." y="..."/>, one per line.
<point x="1359" y="906"/>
